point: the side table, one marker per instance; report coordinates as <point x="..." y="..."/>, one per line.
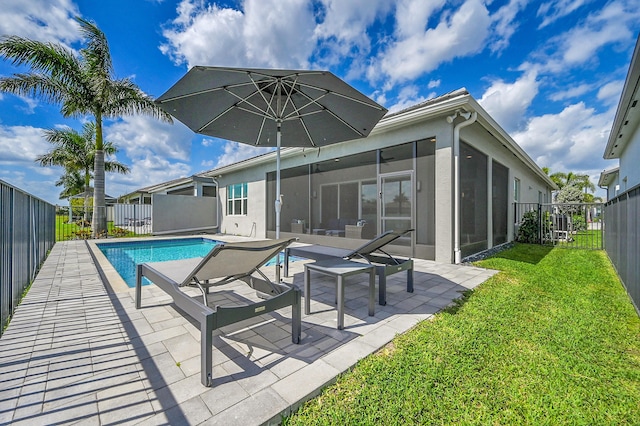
<point x="340" y="269"/>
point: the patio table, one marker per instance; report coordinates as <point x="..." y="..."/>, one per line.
<point x="340" y="269"/>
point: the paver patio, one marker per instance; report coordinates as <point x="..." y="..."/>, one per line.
<point x="77" y="352"/>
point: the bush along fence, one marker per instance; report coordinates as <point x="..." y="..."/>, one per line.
<point x="27" y="234"/>
<point x="123" y="220"/>
<point x="563" y="225"/>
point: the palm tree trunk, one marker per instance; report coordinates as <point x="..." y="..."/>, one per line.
<point x="99" y="223"/>
<point x="87" y="190"/>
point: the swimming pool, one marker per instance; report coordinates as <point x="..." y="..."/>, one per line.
<point x="124" y="257"/>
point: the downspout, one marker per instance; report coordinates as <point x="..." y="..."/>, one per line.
<point x="215" y="182"/>
<point x="470" y="119"/>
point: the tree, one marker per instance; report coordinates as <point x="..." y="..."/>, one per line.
<point x="82" y="85"/>
<point x="76" y="152"/>
<point x="72" y="183"/>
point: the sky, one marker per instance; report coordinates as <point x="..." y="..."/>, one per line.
<point x="549" y="72"/>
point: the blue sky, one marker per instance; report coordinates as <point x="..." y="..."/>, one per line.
<point x="549" y="72"/>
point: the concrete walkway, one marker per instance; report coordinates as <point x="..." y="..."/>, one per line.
<point x="78" y="353"/>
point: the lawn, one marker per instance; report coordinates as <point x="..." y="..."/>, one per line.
<point x="552" y="339"/>
<point x="74" y="230"/>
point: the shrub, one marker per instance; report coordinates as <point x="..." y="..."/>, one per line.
<point x="529" y="231"/>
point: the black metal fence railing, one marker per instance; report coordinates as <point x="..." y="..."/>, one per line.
<point x="123" y="220"/>
<point x="569" y="225"/>
<point x="622" y="240"/>
<point x="27" y="233"/>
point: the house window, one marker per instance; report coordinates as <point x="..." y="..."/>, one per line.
<point x="237" y="199"/>
<point x="516" y="190"/>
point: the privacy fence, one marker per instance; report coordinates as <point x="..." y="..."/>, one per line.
<point x="622" y="240"/>
<point x="27" y="233"/>
<point x="568" y="225"/>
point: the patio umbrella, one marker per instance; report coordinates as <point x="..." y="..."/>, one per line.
<point x="257" y="106"/>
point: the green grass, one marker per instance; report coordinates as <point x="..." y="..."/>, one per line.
<point x="589" y="239"/>
<point x="552" y="339"/>
<point x="67" y="231"/>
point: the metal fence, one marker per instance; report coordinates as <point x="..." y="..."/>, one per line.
<point x="622" y="240"/>
<point x="123" y="220"/>
<point x="568" y="225"/>
<point x="27" y="233"/>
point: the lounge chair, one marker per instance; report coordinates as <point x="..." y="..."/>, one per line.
<point x="225" y="263"/>
<point x="371" y="252"/>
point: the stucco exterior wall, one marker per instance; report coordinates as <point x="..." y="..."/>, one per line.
<point x="629" y="169"/>
<point x="260" y="211"/>
<point x="182" y="213"/>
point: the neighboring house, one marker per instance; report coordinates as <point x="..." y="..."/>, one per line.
<point x="610" y="180"/>
<point x="402" y="176"/>
<point x="622" y="210"/>
<point x="195" y="185"/>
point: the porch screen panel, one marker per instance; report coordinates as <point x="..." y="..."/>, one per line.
<point x="500" y="202"/>
<point x="473" y="200"/>
<point x="294" y="185"/>
<point x="426" y="191"/>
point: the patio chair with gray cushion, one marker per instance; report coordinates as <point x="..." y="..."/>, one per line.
<point x="372" y="252"/>
<point x="225" y="263"/>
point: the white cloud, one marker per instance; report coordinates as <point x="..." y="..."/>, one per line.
<point x="433" y="84"/>
<point x="553" y="10"/>
<point x="21" y="144"/>
<point x="572" y="140"/>
<point x="460" y="33"/>
<point x="145" y="171"/>
<point x="255" y="36"/>
<point x="142" y="137"/>
<point x="43" y="20"/>
<point x="613" y="24"/>
<point x="610" y="93"/>
<point x="342" y="31"/>
<point x="507" y="103"/>
<point x="409" y="96"/>
<point x="505" y="23"/>
<point x="571" y="92"/>
<point x="234" y="152"/>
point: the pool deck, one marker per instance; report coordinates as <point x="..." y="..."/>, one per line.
<point x="78" y="352"/>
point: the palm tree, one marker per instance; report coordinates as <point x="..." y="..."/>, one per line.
<point x="72" y="183"/>
<point x="77" y="152"/>
<point x="82" y="85"/>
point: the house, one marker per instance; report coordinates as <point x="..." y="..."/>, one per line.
<point x="622" y="210"/>
<point x="443" y="167"/>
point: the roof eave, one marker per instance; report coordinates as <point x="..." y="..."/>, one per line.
<point x="618" y="138"/>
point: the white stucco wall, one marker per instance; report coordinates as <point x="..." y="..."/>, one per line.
<point x="255" y="222"/>
<point x="629" y="169"/>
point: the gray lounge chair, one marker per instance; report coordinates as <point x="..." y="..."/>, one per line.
<point x="371" y="252"/>
<point x="225" y="263"/>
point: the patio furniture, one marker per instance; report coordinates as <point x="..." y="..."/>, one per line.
<point x="339" y="269"/>
<point x="372" y="252"/>
<point x="225" y="263"/>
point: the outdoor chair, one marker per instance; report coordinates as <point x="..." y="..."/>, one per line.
<point x="371" y="252"/>
<point x="225" y="263"/>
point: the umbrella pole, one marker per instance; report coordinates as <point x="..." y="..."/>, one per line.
<point x="278" y="202"/>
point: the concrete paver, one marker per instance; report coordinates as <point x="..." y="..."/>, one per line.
<point x="78" y="352"/>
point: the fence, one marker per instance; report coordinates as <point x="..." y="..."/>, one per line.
<point x="622" y="240"/>
<point x="569" y="225"/>
<point x="27" y="233"/>
<point x="123" y="220"/>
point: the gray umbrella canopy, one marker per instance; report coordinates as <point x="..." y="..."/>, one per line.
<point x="257" y="106"/>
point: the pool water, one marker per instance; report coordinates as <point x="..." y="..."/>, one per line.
<point x="126" y="256"/>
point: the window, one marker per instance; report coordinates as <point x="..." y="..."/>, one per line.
<point x="237" y="199"/>
<point x="516" y="190"/>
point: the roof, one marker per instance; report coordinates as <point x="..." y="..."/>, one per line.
<point x="608" y="176"/>
<point x="627" y="116"/>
